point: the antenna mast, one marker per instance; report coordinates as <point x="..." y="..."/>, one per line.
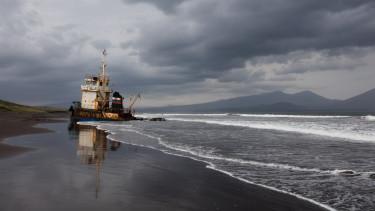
<point x="104" y="64"/>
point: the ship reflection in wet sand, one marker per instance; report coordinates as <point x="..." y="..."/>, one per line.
<point x="92" y="148"/>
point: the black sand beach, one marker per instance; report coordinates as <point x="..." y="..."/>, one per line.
<point x="64" y="174"/>
<point x="15" y="124"/>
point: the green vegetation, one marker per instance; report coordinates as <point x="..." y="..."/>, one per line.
<point x="13" y="107"/>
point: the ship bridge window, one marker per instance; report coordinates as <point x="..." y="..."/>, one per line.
<point x="90" y="82"/>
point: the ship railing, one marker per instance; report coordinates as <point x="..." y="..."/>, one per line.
<point x="89" y="87"/>
<point x="95" y="88"/>
<point x="90" y="76"/>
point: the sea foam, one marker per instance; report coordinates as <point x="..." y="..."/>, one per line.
<point x="340" y="133"/>
<point x="369" y="118"/>
<point x="242" y="115"/>
<point x="291" y="116"/>
<point x="201" y="155"/>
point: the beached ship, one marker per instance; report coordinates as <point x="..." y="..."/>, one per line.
<point x="97" y="104"/>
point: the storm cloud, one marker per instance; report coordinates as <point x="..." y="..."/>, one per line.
<point x="219" y="35"/>
<point x="186" y="51"/>
<point x="167" y="6"/>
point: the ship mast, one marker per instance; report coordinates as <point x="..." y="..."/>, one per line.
<point x="104" y="64"/>
<point x="103" y="89"/>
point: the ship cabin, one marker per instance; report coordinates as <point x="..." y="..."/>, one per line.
<point x="95" y="92"/>
<point x="95" y="89"/>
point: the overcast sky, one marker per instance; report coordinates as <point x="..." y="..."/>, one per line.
<point x="186" y="51"/>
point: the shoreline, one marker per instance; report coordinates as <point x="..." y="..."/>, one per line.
<point x="162" y="182"/>
<point x="14" y="124"/>
<point x="212" y="167"/>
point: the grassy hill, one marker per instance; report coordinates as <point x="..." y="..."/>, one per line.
<point x="14" y="107"/>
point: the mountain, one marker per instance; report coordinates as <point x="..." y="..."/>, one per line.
<point x="273" y="101"/>
<point x="280" y="102"/>
<point x="361" y="103"/>
<point x="276" y="107"/>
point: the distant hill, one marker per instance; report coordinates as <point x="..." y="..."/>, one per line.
<point x="276" y="107"/>
<point x="361" y="103"/>
<point x="14" y="107"/>
<point x="305" y="101"/>
<point x="263" y="102"/>
<point x="61" y="105"/>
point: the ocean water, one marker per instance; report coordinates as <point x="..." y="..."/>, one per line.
<point x="327" y="160"/>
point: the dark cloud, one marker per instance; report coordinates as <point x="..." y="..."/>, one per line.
<point x="126" y="45"/>
<point x="101" y="44"/>
<point x="167" y="6"/>
<point x="210" y="37"/>
<point x="206" y="48"/>
<point x="36" y="65"/>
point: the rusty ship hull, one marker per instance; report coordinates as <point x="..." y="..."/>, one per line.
<point x="94" y="115"/>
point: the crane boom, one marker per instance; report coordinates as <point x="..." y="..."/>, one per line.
<point x="133" y="100"/>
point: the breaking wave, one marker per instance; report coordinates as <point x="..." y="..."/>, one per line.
<point x="296" y="128"/>
<point x="239" y="166"/>
<point x="244" y="115"/>
<point x="369" y="118"/>
<point x="272" y="188"/>
<point x="212" y="166"/>
<point x="208" y="158"/>
<point x="149" y="115"/>
<point x="291" y="116"/>
<point x="209" y="154"/>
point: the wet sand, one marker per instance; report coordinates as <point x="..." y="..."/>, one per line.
<point x="15" y="124"/>
<point x="67" y="173"/>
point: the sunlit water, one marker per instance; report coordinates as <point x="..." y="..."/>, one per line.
<point x="328" y="160"/>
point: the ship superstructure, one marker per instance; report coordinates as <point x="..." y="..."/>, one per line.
<point x="96" y="101"/>
<point x="95" y="89"/>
